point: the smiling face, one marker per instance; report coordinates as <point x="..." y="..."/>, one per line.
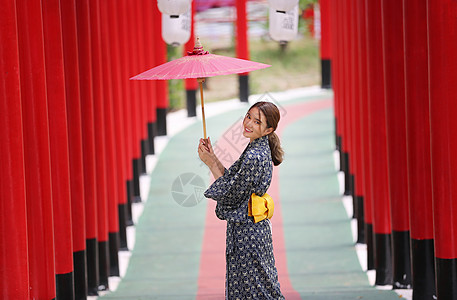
<point x="255" y="124"/>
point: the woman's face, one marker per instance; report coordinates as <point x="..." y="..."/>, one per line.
<point x="255" y="124"/>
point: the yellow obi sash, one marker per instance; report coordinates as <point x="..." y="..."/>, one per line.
<point x="261" y="207"/>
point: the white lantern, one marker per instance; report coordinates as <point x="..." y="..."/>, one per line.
<point x="176" y="31"/>
<point x="282" y="6"/>
<point x="283" y="27"/>
<point x="174" y="7"/>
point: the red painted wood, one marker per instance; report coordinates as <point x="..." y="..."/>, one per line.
<point x="87" y="116"/>
<point x="127" y="91"/>
<point x="364" y="115"/>
<point x="118" y="117"/>
<point x="242" y="42"/>
<point x="14" y="275"/>
<point x="326" y="41"/>
<point x="191" y="84"/>
<point x="101" y="100"/>
<point x="36" y="150"/>
<point x="377" y="120"/>
<point x="394" y="78"/>
<point x="72" y="94"/>
<point x="133" y="67"/>
<point x="442" y="47"/>
<point x="161" y="57"/>
<point x="111" y="148"/>
<point x="149" y="46"/>
<point x="58" y="134"/>
<point x="418" y="120"/>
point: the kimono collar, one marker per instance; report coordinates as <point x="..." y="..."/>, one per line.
<point x="261" y="141"/>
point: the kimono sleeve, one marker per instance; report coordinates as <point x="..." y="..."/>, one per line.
<point x="234" y="187"/>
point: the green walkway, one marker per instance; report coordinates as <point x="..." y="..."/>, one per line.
<point x="322" y="261"/>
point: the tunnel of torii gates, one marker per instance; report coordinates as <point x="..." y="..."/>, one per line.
<point x="68" y="134"/>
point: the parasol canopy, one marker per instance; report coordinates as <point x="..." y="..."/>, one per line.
<point x="199" y="64"/>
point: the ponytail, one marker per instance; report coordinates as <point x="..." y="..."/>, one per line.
<point x="277" y="154"/>
<point x="271" y="113"/>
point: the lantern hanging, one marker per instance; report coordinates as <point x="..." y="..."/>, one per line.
<point x="176" y="31"/>
<point x="283" y="27"/>
<point x="282" y="6"/>
<point x="174" y="8"/>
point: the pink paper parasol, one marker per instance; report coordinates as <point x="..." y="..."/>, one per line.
<point x="199" y="64"/>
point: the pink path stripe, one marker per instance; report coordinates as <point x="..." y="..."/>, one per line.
<point x="211" y="280"/>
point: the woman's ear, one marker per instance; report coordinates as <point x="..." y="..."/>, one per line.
<point x="268" y="130"/>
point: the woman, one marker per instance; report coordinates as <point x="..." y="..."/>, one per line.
<point x="251" y="271"/>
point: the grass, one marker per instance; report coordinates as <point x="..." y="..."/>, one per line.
<point x="296" y="66"/>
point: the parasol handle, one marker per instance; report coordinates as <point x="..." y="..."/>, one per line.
<point x="200" y="81"/>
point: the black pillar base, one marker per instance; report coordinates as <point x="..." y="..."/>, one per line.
<point x="144" y="151"/>
<point x="340" y="150"/>
<point x="103" y="260"/>
<point x="93" y="278"/>
<point x="244" y="87"/>
<point x="129" y="221"/>
<point x="423" y="269"/>
<point x="113" y="238"/>
<point x="354" y="198"/>
<point x="326" y="74"/>
<point x="65" y="288"/>
<point x="383" y="259"/>
<point x="347" y="175"/>
<point x="446" y="278"/>
<point x="136" y="181"/>
<point x="191" y="103"/>
<point x="401" y="260"/>
<point x="360" y="220"/>
<point x="122" y="209"/>
<point x="152" y="132"/>
<point x="80" y="274"/>
<point x="161" y="121"/>
<point x="370" y="246"/>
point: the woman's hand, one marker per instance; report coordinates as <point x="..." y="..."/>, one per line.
<point x="206" y="153"/>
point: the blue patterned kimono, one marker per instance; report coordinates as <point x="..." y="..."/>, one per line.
<point x="251" y="271"/>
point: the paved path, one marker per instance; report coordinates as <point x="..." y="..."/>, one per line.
<point x="179" y="250"/>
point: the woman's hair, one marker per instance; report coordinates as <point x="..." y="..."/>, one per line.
<point x="271" y="113"/>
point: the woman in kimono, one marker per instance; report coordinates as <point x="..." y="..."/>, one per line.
<point x="250" y="263"/>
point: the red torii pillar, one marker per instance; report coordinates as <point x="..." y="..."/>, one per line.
<point x="347" y="94"/>
<point x="365" y="134"/>
<point x="36" y="150"/>
<point x="191" y="83"/>
<point x="326" y="47"/>
<point x="136" y="98"/>
<point x="116" y="205"/>
<point x="394" y="78"/>
<point x="110" y="151"/>
<point x="87" y="122"/>
<point x="357" y="186"/>
<point x="334" y="44"/>
<point x="442" y="46"/>
<point x="58" y="134"/>
<point x="128" y="96"/>
<point x="141" y="52"/>
<point x="242" y="46"/>
<point x="161" y="85"/>
<point x="149" y="47"/>
<point x="378" y="146"/>
<point x="418" y="146"/>
<point x="101" y="100"/>
<point x="123" y="109"/>
<point x="14" y="277"/>
<point x="72" y="93"/>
